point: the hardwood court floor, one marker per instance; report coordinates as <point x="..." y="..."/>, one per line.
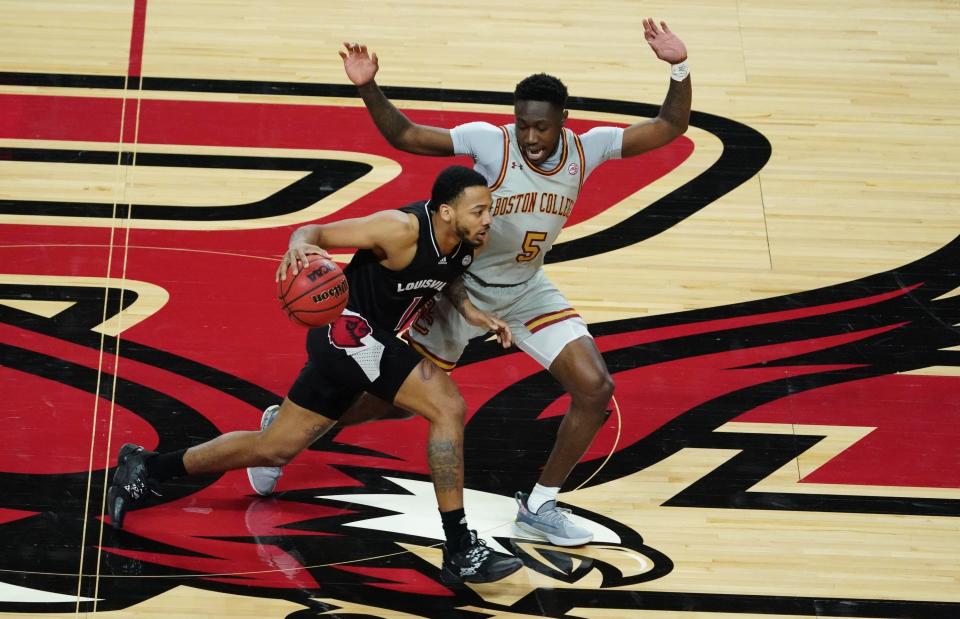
<point x="777" y="294"/>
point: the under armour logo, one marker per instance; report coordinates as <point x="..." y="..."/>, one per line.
<point x="514" y="164"/>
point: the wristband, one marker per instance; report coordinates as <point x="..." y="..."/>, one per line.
<point x="679" y="71"/>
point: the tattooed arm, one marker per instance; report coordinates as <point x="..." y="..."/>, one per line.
<point x="456" y="293"/>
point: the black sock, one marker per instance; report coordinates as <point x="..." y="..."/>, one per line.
<point x="162" y="467"/>
<point x="455" y="529"/>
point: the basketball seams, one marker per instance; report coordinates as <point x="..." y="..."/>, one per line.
<point x="293" y="315"/>
<point x="280" y="289"/>
<point x="299" y="308"/>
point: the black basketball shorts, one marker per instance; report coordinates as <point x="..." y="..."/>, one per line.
<point x="349" y="357"/>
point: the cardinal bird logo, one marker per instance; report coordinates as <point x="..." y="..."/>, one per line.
<point x="349" y="330"/>
<point x="859" y="380"/>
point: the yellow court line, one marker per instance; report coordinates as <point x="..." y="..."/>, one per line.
<point x="103" y="337"/>
<point x="337" y="257"/>
<point x="116" y="352"/>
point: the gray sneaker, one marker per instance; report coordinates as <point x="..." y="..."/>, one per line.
<point x="264" y="479"/>
<point x="550" y="523"/>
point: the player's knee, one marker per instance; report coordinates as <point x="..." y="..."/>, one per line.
<point x="456" y="410"/>
<point x="450" y="410"/>
<point x="605" y="388"/>
<point x="594" y="392"/>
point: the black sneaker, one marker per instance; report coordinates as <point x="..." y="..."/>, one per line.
<point x="130" y="483"/>
<point x="476" y="563"/>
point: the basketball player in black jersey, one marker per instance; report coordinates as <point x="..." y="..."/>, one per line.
<point x="405" y="256"/>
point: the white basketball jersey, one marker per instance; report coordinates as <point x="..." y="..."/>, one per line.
<point x="530" y="207"/>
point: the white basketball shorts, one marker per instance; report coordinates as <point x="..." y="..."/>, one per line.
<point x="540" y="319"/>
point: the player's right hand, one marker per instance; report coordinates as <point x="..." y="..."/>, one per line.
<point x="361" y="66"/>
<point x="488" y="321"/>
<point x="296" y="259"/>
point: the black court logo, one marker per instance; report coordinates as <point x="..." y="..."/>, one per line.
<point x="323" y="543"/>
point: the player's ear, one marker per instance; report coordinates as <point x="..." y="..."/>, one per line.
<point x="446" y="212"/>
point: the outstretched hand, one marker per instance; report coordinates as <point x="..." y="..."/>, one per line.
<point x="361" y="66"/>
<point x="666" y="45"/>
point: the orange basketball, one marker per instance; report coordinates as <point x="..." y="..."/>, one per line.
<point x="315" y="296"/>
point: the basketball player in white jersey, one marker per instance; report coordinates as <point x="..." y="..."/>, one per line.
<point x="536" y="168"/>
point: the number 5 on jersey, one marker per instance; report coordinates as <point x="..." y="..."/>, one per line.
<point x="531" y="246"/>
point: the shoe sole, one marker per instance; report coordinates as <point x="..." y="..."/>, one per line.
<point x="116" y="512"/>
<point x="451" y="579"/>
<point x="553" y="539"/>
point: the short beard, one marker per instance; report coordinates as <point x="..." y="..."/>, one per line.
<point x="463" y="235"/>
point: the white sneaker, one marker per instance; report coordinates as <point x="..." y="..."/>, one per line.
<point x="263" y="479"/>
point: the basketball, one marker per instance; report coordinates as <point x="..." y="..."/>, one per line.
<point x="316" y="296"/>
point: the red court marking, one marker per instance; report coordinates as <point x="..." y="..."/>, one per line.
<point x="401" y="579"/>
<point x="9" y="515"/>
<point x="917" y="421"/>
<point x="136" y="38"/>
<point x="30" y="117"/>
<point x="131" y="117"/>
<point x="644" y="336"/>
<point x="41" y="412"/>
<point x="653" y="395"/>
<point x="261" y="125"/>
<point x="131" y="120"/>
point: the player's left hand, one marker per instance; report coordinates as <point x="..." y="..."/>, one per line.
<point x="664" y="43"/>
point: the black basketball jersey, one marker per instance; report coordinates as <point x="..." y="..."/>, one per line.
<point x="390" y="298"/>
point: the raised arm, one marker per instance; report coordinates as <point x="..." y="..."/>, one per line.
<point x="392" y="235"/>
<point x="674" y="113"/>
<point x="361" y="67"/>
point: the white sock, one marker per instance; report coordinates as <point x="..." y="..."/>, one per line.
<point x="540" y="495"/>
